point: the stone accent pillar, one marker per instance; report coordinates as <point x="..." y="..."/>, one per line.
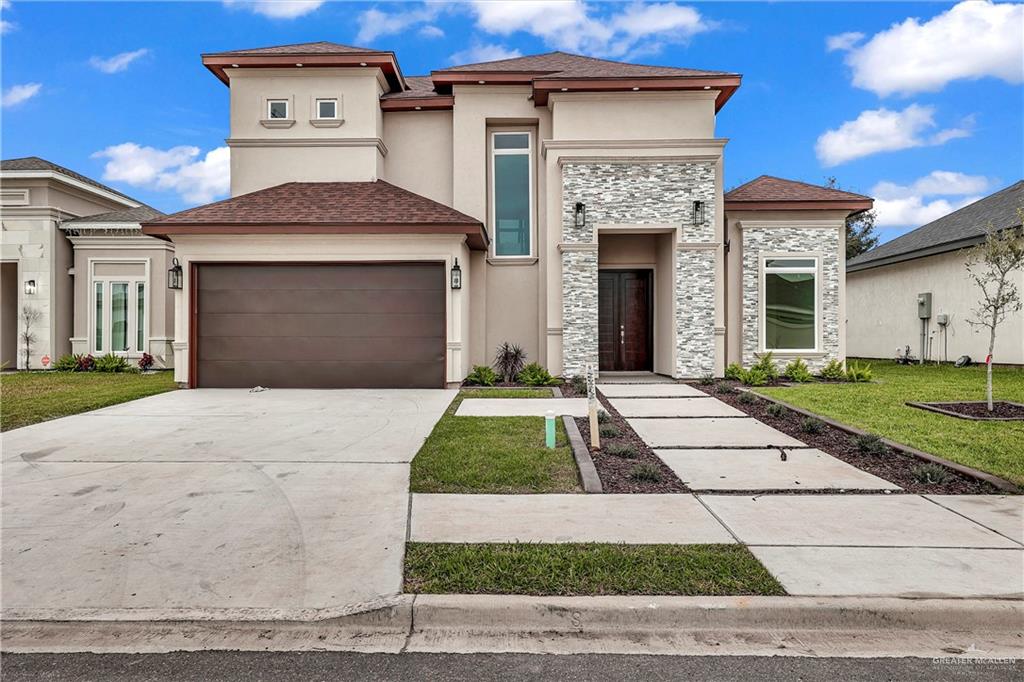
<point x="579" y="307"/>
<point x="695" y="310"/>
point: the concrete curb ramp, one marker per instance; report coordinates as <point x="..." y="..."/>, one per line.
<point x="786" y="626"/>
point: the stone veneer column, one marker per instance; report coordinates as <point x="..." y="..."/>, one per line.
<point x="695" y="310"/>
<point x="579" y="308"/>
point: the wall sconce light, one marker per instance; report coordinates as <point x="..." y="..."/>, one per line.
<point x="698" y="213"/>
<point x="581" y="214"/>
<point x="174" y="275"/>
<point x="30" y="287"/>
<point x="456" y="275"/>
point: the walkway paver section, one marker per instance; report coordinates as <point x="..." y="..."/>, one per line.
<point x="803" y="469"/>
<point x="674" y="407"/>
<point x="650" y="391"/>
<point x="896" y="572"/>
<point x="849" y="520"/>
<point x="632" y="519"/>
<point x="710" y="433"/>
<point x="521" y="407"/>
<point x="1002" y="513"/>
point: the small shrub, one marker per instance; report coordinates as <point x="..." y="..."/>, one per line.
<point x="579" y="384"/>
<point x="646" y="473"/>
<point x="812" y="425"/>
<point x="797" y="371"/>
<point x="482" y="375"/>
<point x="112" y="363"/>
<point x="609" y="431"/>
<point x="535" y="375"/>
<point x="746" y="397"/>
<point x="734" y="371"/>
<point x="66" y="363"/>
<point x="930" y="473"/>
<point x="722" y="387"/>
<point x="145" y="362"/>
<point x="870" y="444"/>
<point x="755" y="376"/>
<point x="509" y="361"/>
<point x="707" y="380"/>
<point x="86" y="363"/>
<point x="858" y="374"/>
<point x="623" y="450"/>
<point x="603" y="417"/>
<point x="766" y="364"/>
<point x="833" y="371"/>
<point x="776" y="410"/>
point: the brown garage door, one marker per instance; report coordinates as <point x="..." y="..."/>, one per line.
<point x="313" y="325"/>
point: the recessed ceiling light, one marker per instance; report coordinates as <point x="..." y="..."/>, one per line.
<point x="298" y="65"/>
<point x="362" y="63"/>
<point x="635" y="89"/>
<point x="565" y="89"/>
<point x="481" y="82"/>
<point x="419" y="108"/>
<point x="234" y="66"/>
<point x="707" y="87"/>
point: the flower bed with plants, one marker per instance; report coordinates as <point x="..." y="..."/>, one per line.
<point x="105" y="363"/>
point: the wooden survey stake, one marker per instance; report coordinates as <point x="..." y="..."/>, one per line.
<point x="595" y="436"/>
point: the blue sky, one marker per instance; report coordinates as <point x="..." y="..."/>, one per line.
<point x="919" y="104"/>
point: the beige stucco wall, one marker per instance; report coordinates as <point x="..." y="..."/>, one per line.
<point x="632" y="115"/>
<point x="882" y="312"/>
<point x="420" y="152"/>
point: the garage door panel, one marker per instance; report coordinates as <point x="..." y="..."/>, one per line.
<point x="361" y="349"/>
<point x="318" y="277"/>
<point x="302" y="374"/>
<point x="324" y="325"/>
<point x="325" y="301"/>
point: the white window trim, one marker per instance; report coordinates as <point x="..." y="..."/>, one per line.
<point x="762" y="297"/>
<point x="316" y="108"/>
<point x="133" y="328"/>
<point x="490" y="192"/>
<point x="287" y="109"/>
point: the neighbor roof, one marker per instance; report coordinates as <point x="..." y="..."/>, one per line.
<point x="319" y="47"/>
<point x="34" y="163"/>
<point x="774" y="194"/>
<point x="565" y="65"/>
<point x="961" y="228"/>
<point x="139" y="214"/>
<point x="323" y="207"/>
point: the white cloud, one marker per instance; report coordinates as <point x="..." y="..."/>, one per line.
<point x="16" y="94"/>
<point x="431" y="31"/>
<point x="882" y="130"/>
<point x="974" y="39"/>
<point x="843" y="41"/>
<point x="373" y="23"/>
<point x="179" y="169"/>
<point x="117" y="63"/>
<point x="913" y="205"/>
<point x="6" y="26"/>
<point x="478" y="52"/>
<point x="276" y="9"/>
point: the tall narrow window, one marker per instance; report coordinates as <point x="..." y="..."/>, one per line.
<point x="119" y="316"/>
<point x="99" y="316"/>
<point x="512" y="193"/>
<point x="790" y="304"/>
<point x="140" y="317"/>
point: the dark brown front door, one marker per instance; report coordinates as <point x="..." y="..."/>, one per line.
<point x="625" y="328"/>
<point x="311" y="325"/>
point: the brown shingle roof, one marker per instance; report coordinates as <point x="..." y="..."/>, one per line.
<point x="565" y="65"/>
<point x="768" y="188"/>
<point x="419" y="86"/>
<point x="34" y="163"/>
<point x="139" y="214"/>
<point x="320" y="47"/>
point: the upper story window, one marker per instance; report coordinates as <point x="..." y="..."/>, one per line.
<point x="327" y="108"/>
<point x="512" y="193"/>
<point x="790" y="304"/>
<point x="277" y="109"/>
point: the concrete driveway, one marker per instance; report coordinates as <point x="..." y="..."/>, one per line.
<point x="213" y="503"/>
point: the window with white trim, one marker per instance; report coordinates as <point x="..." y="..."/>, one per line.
<point x="120" y="310"/>
<point x="327" y="109"/>
<point x="789" y="309"/>
<point x="277" y="109"/>
<point x="512" y="193"/>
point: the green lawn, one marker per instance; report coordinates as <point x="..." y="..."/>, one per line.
<point x="31" y="397"/>
<point x="995" y="447"/>
<point x="493" y="455"/>
<point x="585" y="569"/>
<point x="507" y="393"/>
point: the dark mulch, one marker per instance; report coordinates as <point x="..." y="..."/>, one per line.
<point x="979" y="410"/>
<point x="615" y="472"/>
<point x="894" y="466"/>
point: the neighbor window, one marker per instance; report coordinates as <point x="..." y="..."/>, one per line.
<point x="327" y="108"/>
<point x="277" y="108"/>
<point x="140" y="316"/>
<point x="790" y="304"/>
<point x="120" y="310"/>
<point x="99" y="316"/>
<point x="511" y="193"/>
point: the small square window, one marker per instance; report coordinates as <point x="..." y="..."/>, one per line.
<point x="277" y="108"/>
<point x="327" y="108"/>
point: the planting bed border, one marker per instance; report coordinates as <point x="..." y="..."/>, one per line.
<point x="934" y="407"/>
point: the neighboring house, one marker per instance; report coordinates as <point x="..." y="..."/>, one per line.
<point x="393" y="231"/>
<point x="886" y="287"/>
<point x="73" y="250"/>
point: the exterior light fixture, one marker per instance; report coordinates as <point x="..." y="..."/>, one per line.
<point x="481" y="82"/>
<point x="456" y="275"/>
<point x="418" y="108"/>
<point x="362" y="63"/>
<point x="698" y="213"/>
<point x="565" y="89"/>
<point x="635" y="89"/>
<point x="298" y="65"/>
<point x="707" y="87"/>
<point x="30" y="287"/>
<point x="581" y="214"/>
<point x="174" y="275"/>
<point x="234" y="66"/>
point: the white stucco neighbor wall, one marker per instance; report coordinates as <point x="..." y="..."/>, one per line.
<point x="882" y="309"/>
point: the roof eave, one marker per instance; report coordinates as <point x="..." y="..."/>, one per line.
<point x="854" y="206"/>
<point x="726" y="85"/>
<point x="439" y="102"/>
<point x="385" y="61"/>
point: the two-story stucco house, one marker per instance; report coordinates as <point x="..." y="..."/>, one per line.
<point x="387" y="230"/>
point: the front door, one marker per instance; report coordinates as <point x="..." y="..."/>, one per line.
<point x="625" y="321"/>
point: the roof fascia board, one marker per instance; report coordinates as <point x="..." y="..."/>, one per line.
<point x="418" y="103"/>
<point x="917" y="253"/>
<point x="816" y="205"/>
<point x="71" y="182"/>
<point x="476" y="235"/>
<point x="385" y="61"/>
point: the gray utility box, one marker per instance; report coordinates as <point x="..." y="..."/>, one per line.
<point x="924" y="306"/>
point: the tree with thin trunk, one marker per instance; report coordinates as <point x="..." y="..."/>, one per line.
<point x="990" y="266"/>
<point x="29" y="317"/>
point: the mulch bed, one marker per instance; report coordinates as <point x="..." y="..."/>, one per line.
<point x="893" y="466"/>
<point x="978" y="410"/>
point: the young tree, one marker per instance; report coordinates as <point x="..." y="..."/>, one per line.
<point x="860" y="228"/>
<point x="990" y="265"/>
<point x="29" y="317"/>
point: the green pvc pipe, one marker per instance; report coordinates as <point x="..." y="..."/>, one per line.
<point x="549" y="430"/>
